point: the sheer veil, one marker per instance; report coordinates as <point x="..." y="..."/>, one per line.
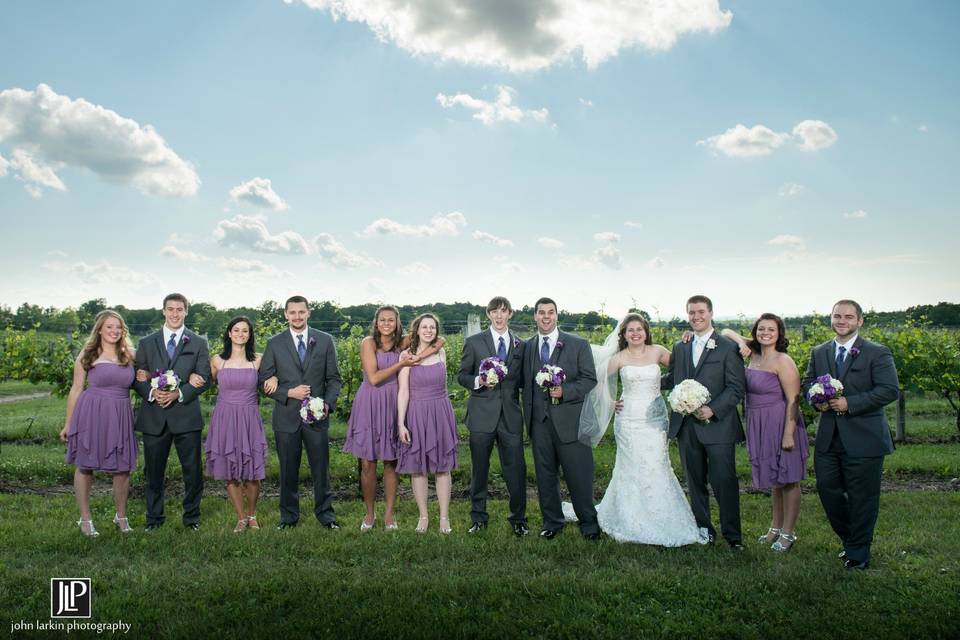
<point x="598" y="405"/>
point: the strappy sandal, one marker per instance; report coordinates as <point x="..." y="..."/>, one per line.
<point x="123" y="524"/>
<point x="252" y="523"/>
<point x="241" y="526"/>
<point x="422" y="525"/>
<point x="779" y="546"/>
<point x="91" y="531"/>
<point x="766" y="539"/>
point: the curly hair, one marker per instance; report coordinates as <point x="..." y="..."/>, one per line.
<point x="782" y="341"/>
<point x="415" y="328"/>
<point x="622" y="334"/>
<point x="93" y="347"/>
<point x="397" y="330"/>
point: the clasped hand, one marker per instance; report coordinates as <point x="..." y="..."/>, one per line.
<point x="839" y="405"/>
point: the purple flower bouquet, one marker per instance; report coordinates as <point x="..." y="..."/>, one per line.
<point x="825" y="389"/>
<point x="492" y="370"/>
<point x="550" y="376"/>
<point x="165" y="381"/>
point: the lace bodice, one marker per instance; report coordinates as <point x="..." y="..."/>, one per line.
<point x="641" y="393"/>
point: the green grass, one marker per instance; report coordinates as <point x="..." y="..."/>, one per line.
<point x="311" y="582"/>
<point x="20" y="388"/>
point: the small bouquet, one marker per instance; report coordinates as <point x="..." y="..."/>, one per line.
<point x="548" y="377"/>
<point x="825" y="389"/>
<point x="687" y="397"/>
<point x="165" y="381"/>
<point x="312" y="410"/>
<point x="492" y="370"/>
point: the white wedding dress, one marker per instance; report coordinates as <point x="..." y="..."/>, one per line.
<point x="644" y="502"/>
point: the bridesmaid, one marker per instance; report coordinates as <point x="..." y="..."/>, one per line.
<point x="372" y="432"/>
<point x="776" y="435"/>
<point x="236" y="447"/>
<point x="98" y="428"/>
<point x="427" y="426"/>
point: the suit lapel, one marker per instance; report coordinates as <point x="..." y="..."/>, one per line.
<point x="488" y="341"/>
<point x="161" y="349"/>
<point x="703" y="354"/>
<point x="555" y="356"/>
<point x="829" y="352"/>
<point x="180" y="346"/>
<point x="311" y="343"/>
<point x="848" y="363"/>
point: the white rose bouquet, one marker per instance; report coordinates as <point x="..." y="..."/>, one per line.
<point x="687" y="397"/>
<point x="492" y="370"/>
<point x="312" y="410"/>
<point x="165" y="381"/>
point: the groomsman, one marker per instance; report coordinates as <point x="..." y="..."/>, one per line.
<point x="304" y="362"/>
<point x="853" y="435"/>
<point x="493" y="416"/>
<point x="172" y="417"/>
<point x="707" y="440"/>
<point x="554" y="427"/>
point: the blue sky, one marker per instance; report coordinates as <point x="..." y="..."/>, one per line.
<point x="773" y="155"/>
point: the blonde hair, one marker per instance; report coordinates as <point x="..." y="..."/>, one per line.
<point x="93" y="346"/>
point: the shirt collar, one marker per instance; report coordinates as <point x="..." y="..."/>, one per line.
<point x="304" y="333"/>
<point x="553" y="335"/>
<point x="167" y="332"/>
<point x="846" y="345"/>
<point x="505" y="335"/>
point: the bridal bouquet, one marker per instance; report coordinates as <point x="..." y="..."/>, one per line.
<point x="687" y="397"/>
<point x="312" y="410"/>
<point x="548" y="377"/>
<point x="825" y="389"/>
<point x="492" y="370"/>
<point x="165" y="381"/>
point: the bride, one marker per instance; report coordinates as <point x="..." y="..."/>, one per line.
<point x="643" y="502"/>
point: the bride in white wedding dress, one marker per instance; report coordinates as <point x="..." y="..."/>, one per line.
<point x="643" y="502"/>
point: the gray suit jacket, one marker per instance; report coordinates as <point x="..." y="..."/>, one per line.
<point x="720" y="370"/>
<point x="576" y="360"/>
<point x="319" y="370"/>
<point x="485" y="405"/>
<point x="869" y="382"/>
<point x="192" y="356"/>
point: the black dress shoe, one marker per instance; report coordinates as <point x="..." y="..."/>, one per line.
<point x="153" y="527"/>
<point x="193" y="526"/>
<point x="477" y="526"/>
<point x="520" y="529"/>
<point x="333" y="525"/>
<point x="856" y="565"/>
<point x="592" y="536"/>
<point x="842" y="555"/>
<point x="549" y="534"/>
<point x="286" y="525"/>
<point x="736" y="546"/>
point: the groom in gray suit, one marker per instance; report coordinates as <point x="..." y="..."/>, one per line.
<point x="168" y="418"/>
<point x="853" y="435"/>
<point x="553" y="427"/>
<point x="493" y="416"/>
<point x="707" y="440"/>
<point x="304" y="362"/>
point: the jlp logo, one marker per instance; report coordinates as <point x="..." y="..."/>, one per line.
<point x="70" y="597"/>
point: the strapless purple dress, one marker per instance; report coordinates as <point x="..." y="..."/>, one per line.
<point x="100" y="437"/>
<point x="236" y="447"/>
<point x="372" y="432"/>
<point x="766" y="410"/>
<point x="430" y="420"/>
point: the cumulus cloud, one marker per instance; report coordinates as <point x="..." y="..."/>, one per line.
<point x="104" y="272"/>
<point x="3" y="166"/>
<point x="250" y="232"/>
<point x="502" y="109"/>
<point x="632" y="224"/>
<point x="550" y="243"/>
<point x="585" y="102"/>
<point x="489" y="238"/>
<point x="813" y="135"/>
<point x="859" y="214"/>
<point x="522" y="36"/>
<point x="609" y="254"/>
<point x="606" y="236"/>
<point x="48" y="131"/>
<point x="239" y="265"/>
<point x="170" y="251"/>
<point x="259" y="193"/>
<point x="922" y="129"/>
<point x="414" y="268"/>
<point x="786" y="240"/>
<point x="790" y="190"/>
<point x="656" y="263"/>
<point x="448" y="224"/>
<point x="339" y="256"/>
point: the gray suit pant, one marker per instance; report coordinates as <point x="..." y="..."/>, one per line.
<point x="513" y="467"/>
<point x="289" y="452"/>
<point x="156" y="452"/>
<point x="715" y="463"/>
<point x="576" y="459"/>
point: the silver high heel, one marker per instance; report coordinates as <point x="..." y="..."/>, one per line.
<point x="422" y="525"/>
<point x="765" y="538"/>
<point x="91" y="532"/>
<point x="783" y="548"/>
<point x="122" y="523"/>
<point x="364" y="527"/>
<point x="445" y="529"/>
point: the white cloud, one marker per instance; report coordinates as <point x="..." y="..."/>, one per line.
<point x="500" y="110"/>
<point x="510" y="267"/>
<point x="258" y="192"/>
<point x="741" y="142"/>
<point x="414" y="268"/>
<point x="533" y="34"/>
<point x="790" y="190"/>
<point x="489" y="238"/>
<point x="339" y="256"/>
<point x="656" y="263"/>
<point x="3" y="166"/>
<point x="786" y="240"/>
<point x="251" y="232"/>
<point x="57" y="253"/>
<point x="922" y="129"/>
<point x="170" y="251"/>
<point x="585" y="102"/>
<point x="448" y="224"/>
<point x="609" y="256"/>
<point x="103" y="273"/>
<point x="180" y="238"/>
<point x="550" y="243"/>
<point x="859" y="214"/>
<point x="632" y="224"/>
<point x="239" y="265"/>
<point x="814" y="135"/>
<point x="606" y="236"/>
<point x="53" y="131"/>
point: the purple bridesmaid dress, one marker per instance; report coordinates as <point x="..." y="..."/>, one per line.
<point x="430" y="420"/>
<point x="100" y="437"/>
<point x="766" y="410"/>
<point x="372" y="433"/>
<point x="236" y="445"/>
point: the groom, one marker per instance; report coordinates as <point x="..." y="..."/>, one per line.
<point x="553" y="427"/>
<point x="304" y="361"/>
<point x="707" y="440"/>
<point x="493" y="416"/>
<point x="853" y="435"/>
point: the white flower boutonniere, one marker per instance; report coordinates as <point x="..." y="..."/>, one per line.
<point x="711" y="344"/>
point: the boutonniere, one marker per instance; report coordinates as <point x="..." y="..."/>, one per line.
<point x="312" y="341"/>
<point x="516" y="343"/>
<point x="559" y="344"/>
<point x="711" y="344"/>
<point x="854" y="352"/>
<point x="185" y="339"/>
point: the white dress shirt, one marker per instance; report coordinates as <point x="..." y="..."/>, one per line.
<point x="496" y="345"/>
<point x="846" y="345"/>
<point x="554" y="336"/>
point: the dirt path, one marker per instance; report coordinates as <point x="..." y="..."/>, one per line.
<point x="39" y="395"/>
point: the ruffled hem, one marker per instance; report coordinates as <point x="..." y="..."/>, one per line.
<point x="372" y="432"/>
<point x="433" y="438"/>
<point x="101" y="436"/>
<point x="236" y="447"/>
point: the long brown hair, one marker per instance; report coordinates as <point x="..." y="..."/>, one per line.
<point x="415" y="328"/>
<point x="93" y="347"/>
<point x="622" y="334"/>
<point x="397" y="331"/>
<point x="782" y="341"/>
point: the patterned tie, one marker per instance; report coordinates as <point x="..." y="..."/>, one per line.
<point x="545" y="350"/>
<point x="301" y="348"/>
<point x="502" y="350"/>
<point x="840" y="360"/>
<point x="171" y="345"/>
